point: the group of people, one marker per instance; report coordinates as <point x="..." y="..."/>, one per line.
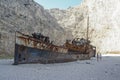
<point x="99" y="56"/>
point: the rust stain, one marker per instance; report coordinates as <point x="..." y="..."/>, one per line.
<point x="42" y="45"/>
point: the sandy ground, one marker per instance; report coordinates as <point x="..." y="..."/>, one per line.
<point x="106" y="69"/>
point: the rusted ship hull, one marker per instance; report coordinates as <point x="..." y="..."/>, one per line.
<point x="24" y="54"/>
<point x="31" y="50"/>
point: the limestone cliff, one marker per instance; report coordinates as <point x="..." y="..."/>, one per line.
<point x="104" y="22"/>
<point x="26" y="16"/>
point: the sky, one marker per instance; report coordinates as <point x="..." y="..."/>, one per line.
<point x="62" y="4"/>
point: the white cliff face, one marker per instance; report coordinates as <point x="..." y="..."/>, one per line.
<point x="71" y="19"/>
<point x="104" y="22"/>
<point x="28" y="17"/>
<point x="105" y="19"/>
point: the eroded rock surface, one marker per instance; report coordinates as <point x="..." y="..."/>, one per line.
<point x="104" y="22"/>
<point x="26" y="16"/>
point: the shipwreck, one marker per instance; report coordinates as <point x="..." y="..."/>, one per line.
<point x="37" y="48"/>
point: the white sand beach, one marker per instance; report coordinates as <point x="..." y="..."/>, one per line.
<point x="106" y="69"/>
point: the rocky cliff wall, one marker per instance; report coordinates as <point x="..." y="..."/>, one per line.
<point x="104" y="22"/>
<point x="26" y="16"/>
